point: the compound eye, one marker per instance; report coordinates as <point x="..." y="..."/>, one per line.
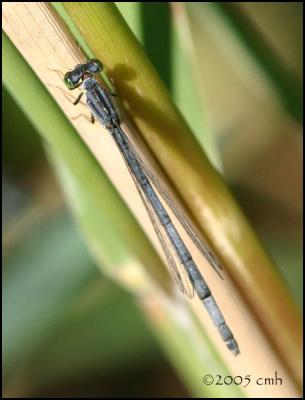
<point x="94" y="66"/>
<point x="75" y="76"/>
<point x="72" y="79"/>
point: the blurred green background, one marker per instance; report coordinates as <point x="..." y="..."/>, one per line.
<point x="235" y="72"/>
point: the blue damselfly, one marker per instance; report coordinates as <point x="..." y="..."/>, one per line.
<point x="185" y="272"/>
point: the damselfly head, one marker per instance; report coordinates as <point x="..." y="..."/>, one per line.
<point x="93" y="66"/>
<point x="75" y="77"/>
<point x="72" y="79"/>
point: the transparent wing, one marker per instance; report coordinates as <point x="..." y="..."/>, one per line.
<point x="178" y="274"/>
<point x="202" y="246"/>
<point x="177" y="270"/>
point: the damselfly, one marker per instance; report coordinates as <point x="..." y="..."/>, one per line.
<point x="185" y="272"/>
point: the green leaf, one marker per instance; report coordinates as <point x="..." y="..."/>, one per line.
<point x="288" y="87"/>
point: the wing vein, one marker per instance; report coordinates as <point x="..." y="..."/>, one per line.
<point x="178" y="273"/>
<point x="200" y="244"/>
